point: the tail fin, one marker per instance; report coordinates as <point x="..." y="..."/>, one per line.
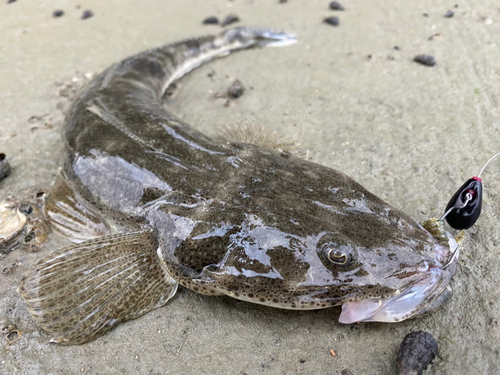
<point x="191" y="53"/>
<point x="157" y="68"/>
<point x="80" y="292"/>
<point x="244" y="37"/>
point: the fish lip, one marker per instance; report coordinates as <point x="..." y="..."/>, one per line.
<point x="416" y="297"/>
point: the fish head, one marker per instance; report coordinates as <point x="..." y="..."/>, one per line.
<point x="382" y="264"/>
<point x="392" y="292"/>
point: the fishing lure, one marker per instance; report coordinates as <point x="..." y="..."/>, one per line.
<point x="464" y="207"/>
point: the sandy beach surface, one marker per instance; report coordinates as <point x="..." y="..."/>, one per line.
<point x="411" y="134"/>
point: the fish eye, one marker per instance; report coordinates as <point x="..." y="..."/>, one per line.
<point x="334" y="250"/>
<point x="334" y="253"/>
<point x="336" y="256"/>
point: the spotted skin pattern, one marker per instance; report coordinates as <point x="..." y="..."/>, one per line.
<point x="220" y="218"/>
<point x="76" y="280"/>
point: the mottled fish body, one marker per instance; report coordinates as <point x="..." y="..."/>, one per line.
<point x="220" y="218"/>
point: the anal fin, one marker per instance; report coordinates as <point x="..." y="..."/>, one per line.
<point x="69" y="216"/>
<point x="79" y="292"/>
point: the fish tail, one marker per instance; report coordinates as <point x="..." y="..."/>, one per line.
<point x="159" y="67"/>
<point x="192" y="53"/>
<point x="244" y="37"/>
<point x="79" y="292"/>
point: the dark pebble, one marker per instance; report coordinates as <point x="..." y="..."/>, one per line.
<point x="425" y="15"/>
<point x="456" y="6"/>
<point x="4" y="167"/>
<point x="346" y="371"/>
<point x="57" y="13"/>
<point x="426" y="60"/>
<point x="334" y="21"/>
<point x="236" y="89"/>
<point x="211" y="21"/>
<point x="232" y="18"/>
<point x="417" y="350"/>
<point x="302" y="360"/>
<point x="87" y="14"/>
<point x="11" y="1"/>
<point x="283" y="1"/>
<point x="397" y="48"/>
<point x="336" y="6"/>
<point x="449" y="14"/>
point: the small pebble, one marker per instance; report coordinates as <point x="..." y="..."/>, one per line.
<point x="231" y="18"/>
<point x="426" y="60"/>
<point x="397" y="48"/>
<point x="334" y="21"/>
<point x="211" y="21"/>
<point x="456" y="6"/>
<point x="58" y="13"/>
<point x="236" y="89"/>
<point x="435" y="36"/>
<point x="416" y="351"/>
<point x="336" y="6"/>
<point x="449" y="14"/>
<point x="4" y="166"/>
<point x="283" y="1"/>
<point x="87" y="14"/>
<point x="425" y="15"/>
<point x="11" y="1"/>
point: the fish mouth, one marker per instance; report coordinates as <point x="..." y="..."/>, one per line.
<point x="420" y="297"/>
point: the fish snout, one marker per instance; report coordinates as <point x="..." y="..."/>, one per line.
<point x="424" y="295"/>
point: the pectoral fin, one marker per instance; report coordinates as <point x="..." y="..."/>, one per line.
<point x="69" y="216"/>
<point x="80" y="292"/>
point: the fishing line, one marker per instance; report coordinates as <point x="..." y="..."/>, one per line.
<point x="493" y="157"/>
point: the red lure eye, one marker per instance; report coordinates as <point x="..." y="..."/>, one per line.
<point x="469" y="195"/>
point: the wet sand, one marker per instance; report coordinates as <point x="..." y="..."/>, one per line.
<point x="411" y="134"/>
